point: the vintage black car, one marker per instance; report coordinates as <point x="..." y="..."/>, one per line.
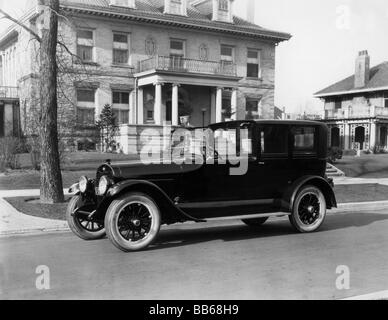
<point x="285" y="175"/>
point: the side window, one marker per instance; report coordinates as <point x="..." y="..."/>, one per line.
<point x="304" y="140"/>
<point x="274" y="141"/>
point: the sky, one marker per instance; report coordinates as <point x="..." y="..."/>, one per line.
<point x="327" y="36"/>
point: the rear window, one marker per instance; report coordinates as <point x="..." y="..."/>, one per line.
<point x="274" y="141"/>
<point x="304" y="140"/>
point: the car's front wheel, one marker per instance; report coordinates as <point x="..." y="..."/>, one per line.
<point x="133" y="222"/>
<point x="309" y="210"/>
<point x="81" y="226"/>
<point x="255" y="222"/>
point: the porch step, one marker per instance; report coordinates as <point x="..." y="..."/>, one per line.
<point x="332" y="171"/>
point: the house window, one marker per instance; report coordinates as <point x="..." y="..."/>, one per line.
<point x="223" y="5"/>
<point x="120" y="48"/>
<point x="252" y="109"/>
<point x="150" y="115"/>
<point x="85" y="95"/>
<point x="338" y="104"/>
<point x="120" y="97"/>
<point x="2" y="129"/>
<point x="123" y="3"/>
<point x="85" y="116"/>
<point x="253" y="64"/>
<point x="121" y="116"/>
<point x="227" y="53"/>
<point x="85" y="45"/>
<point x="386" y="100"/>
<point x="85" y="106"/>
<point x="121" y="106"/>
<point x="177" y="53"/>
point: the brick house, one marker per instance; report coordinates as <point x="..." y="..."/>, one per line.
<point x="152" y="60"/>
<point x="356" y="108"/>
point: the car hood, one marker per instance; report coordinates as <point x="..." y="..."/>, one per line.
<point x="138" y="170"/>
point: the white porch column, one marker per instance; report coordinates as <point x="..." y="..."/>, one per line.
<point x="373" y="130"/>
<point x="140" y="106"/>
<point x="347" y="138"/>
<point x="158" y="112"/>
<point x="132" y="114"/>
<point x="175" y="104"/>
<point x="219" y="105"/>
<point x="234" y="103"/>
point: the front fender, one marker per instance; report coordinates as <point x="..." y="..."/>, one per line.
<point x="173" y="213"/>
<point x="292" y="191"/>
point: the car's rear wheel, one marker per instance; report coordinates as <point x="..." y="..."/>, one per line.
<point x="309" y="210"/>
<point x="81" y="226"/>
<point x="133" y="222"/>
<point x="255" y="222"/>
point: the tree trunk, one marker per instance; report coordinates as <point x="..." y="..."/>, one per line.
<point x="51" y="187"/>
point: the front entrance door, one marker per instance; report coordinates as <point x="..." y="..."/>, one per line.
<point x="360" y="137"/>
<point x="335" y="137"/>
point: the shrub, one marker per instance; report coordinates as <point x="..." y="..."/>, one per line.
<point x="334" y="154"/>
<point x="9" y="153"/>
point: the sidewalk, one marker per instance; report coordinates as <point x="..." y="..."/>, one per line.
<point x="14" y="222"/>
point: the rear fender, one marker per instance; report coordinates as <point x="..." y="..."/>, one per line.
<point x="291" y="193"/>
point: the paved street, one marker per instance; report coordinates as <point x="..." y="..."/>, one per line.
<point x="211" y="261"/>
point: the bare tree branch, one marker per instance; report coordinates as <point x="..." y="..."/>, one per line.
<point x="32" y="32"/>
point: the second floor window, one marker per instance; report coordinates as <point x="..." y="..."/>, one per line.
<point x="85" y="45"/>
<point x="227" y="54"/>
<point x="223" y="5"/>
<point x="120" y="97"/>
<point x="177" y="52"/>
<point x="338" y="104"/>
<point x="253" y="65"/>
<point x="120" y="48"/>
<point x="386" y="100"/>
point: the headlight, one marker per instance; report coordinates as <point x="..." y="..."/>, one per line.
<point x="83" y="184"/>
<point x="103" y="185"/>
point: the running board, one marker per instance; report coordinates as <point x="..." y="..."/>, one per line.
<point x="250" y="216"/>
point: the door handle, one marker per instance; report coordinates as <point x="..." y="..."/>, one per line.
<point x="261" y="163"/>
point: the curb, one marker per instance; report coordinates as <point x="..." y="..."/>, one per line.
<point x="343" y="208"/>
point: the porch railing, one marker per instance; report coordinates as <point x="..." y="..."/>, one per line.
<point x="179" y="64"/>
<point x="9" y="92"/>
<point x="357" y="113"/>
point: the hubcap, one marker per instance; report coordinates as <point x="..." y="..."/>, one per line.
<point x="309" y="209"/>
<point x="134" y="222"/>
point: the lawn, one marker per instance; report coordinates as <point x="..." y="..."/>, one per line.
<point x="76" y="165"/>
<point x="344" y="193"/>
<point x="366" y="166"/>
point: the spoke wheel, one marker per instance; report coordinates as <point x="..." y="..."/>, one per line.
<point x="309" y="210"/>
<point x="133" y="222"/>
<point x="80" y="226"/>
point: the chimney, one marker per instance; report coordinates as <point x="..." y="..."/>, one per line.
<point x="362" y="74"/>
<point x="251" y="7"/>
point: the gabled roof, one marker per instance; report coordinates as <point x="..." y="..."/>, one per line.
<point x="378" y="81"/>
<point x="152" y="11"/>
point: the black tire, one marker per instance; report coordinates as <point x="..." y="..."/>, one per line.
<point x="255" y="222"/>
<point x="309" y="211"/>
<point x="82" y="228"/>
<point x="133" y="222"/>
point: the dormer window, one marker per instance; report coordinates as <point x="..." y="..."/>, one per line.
<point x="222" y="10"/>
<point x="175" y="7"/>
<point x="223" y="5"/>
<point x="123" y="3"/>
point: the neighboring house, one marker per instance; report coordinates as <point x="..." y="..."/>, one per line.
<point x="356" y="108"/>
<point x="153" y="61"/>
